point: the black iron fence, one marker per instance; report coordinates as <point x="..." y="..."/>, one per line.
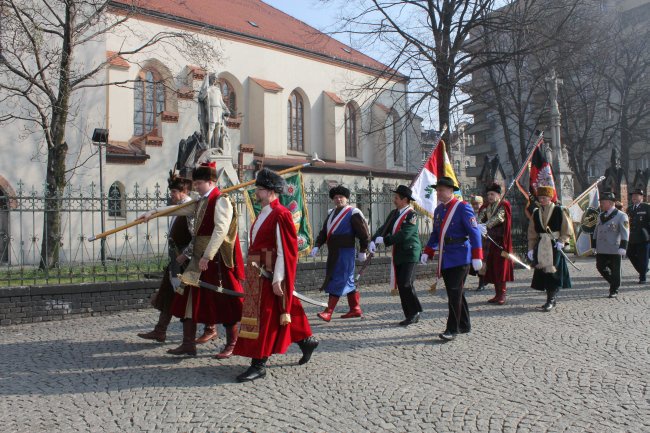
<point x="139" y="252"/>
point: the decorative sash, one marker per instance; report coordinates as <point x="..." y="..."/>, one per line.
<point x="332" y="225"/>
<point x="445" y="225"/>
<point x="398" y="224"/>
<point x="250" y="326"/>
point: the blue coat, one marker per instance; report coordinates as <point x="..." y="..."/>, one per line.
<point x="462" y="239"/>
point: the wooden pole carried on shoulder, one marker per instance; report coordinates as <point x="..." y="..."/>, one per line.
<point x="314" y="160"/>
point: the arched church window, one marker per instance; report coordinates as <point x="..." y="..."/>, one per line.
<point x="149" y="101"/>
<point x="229" y="96"/>
<point x="351" y="130"/>
<point x="296" y="122"/>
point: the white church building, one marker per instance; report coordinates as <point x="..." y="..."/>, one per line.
<point x="292" y="90"/>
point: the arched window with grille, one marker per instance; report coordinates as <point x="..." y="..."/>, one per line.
<point x="296" y="122"/>
<point x="457" y="166"/>
<point x="351" y="130"/>
<point x="229" y="96"/>
<point x="149" y="101"/>
<point x="116" y="201"/>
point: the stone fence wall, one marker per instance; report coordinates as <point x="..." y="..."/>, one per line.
<point x="29" y="304"/>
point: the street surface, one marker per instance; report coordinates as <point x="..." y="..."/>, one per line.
<point x="582" y="368"/>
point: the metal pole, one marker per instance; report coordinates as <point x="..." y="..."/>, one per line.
<point x="101" y="204"/>
<point x="370" y="200"/>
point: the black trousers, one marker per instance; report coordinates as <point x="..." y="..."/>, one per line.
<point x="609" y="266"/>
<point x="404" y="275"/>
<point x="458" y="319"/>
<point x="638" y="255"/>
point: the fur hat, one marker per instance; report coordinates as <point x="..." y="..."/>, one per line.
<point x="268" y="179"/>
<point x="179" y="183"/>
<point x="207" y="171"/>
<point x="546" y="191"/>
<point x="494" y="187"/>
<point x="339" y="190"/>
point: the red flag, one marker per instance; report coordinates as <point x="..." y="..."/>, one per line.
<point x="541" y="173"/>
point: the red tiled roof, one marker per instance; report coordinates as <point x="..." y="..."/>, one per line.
<point x="258" y="20"/>
<point x="334" y="97"/>
<point x="117" y="61"/>
<point x="271" y="86"/>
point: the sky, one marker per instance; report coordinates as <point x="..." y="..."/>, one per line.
<point x="313" y="12"/>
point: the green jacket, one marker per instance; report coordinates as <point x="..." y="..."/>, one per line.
<point x="405" y="242"/>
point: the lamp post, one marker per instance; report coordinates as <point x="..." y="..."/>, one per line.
<point x="101" y="136"/>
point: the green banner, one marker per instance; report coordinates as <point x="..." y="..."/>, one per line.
<point x="295" y="201"/>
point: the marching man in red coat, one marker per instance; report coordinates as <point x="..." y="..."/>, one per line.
<point x="495" y="221"/>
<point x="272" y="318"/>
<point x="216" y="260"/>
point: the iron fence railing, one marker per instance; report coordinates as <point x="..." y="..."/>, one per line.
<point x="140" y="251"/>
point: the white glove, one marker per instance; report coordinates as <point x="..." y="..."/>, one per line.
<point x="621" y="251"/>
<point x="176" y="282"/>
<point x="559" y="246"/>
<point x="313" y="252"/>
<point x="483" y="229"/>
<point x="147" y="215"/>
<point x="477" y="264"/>
<point x="372" y="247"/>
<point x="424" y="258"/>
<point x="379" y="240"/>
<point x="531" y="255"/>
<point x="362" y="257"/>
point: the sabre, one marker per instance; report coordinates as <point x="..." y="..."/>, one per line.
<point x="562" y="252"/>
<point x="269" y="276"/>
<point x="505" y="254"/>
<point x="363" y="267"/>
<point x="220" y="289"/>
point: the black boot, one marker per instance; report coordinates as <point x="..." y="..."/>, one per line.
<point x="481" y="284"/>
<point x="257" y="370"/>
<point x="551" y="295"/>
<point x="308" y="345"/>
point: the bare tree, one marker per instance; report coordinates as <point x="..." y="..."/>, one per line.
<point x="41" y="71"/>
<point x="425" y="42"/>
<point x="628" y="75"/>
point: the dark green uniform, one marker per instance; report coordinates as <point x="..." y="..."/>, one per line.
<point x="401" y="232"/>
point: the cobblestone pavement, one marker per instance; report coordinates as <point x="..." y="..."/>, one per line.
<point x="581" y="368"/>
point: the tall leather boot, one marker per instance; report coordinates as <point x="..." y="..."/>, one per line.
<point x="209" y="333"/>
<point x="257" y="370"/>
<point x="232" y="332"/>
<point x="188" y="346"/>
<point x="495" y="299"/>
<point x="500" y="288"/>
<point x="551" y="295"/>
<point x="481" y="284"/>
<point x="355" y="308"/>
<point x="326" y="314"/>
<point x="159" y="332"/>
<point x="308" y="345"/>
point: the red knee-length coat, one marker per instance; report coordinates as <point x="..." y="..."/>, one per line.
<point x="208" y="306"/>
<point x="273" y="337"/>
<point x="499" y="269"/>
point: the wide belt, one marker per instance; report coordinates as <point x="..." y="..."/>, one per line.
<point x="453" y="241"/>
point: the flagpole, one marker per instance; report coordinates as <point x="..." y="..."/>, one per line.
<point x="433" y="149"/>
<point x="515" y="180"/>
<point x="587" y="191"/>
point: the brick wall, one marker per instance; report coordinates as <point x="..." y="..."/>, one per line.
<point x="44" y="303"/>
